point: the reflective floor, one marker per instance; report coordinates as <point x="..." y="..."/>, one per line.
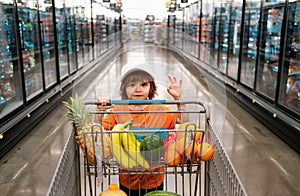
<point x="264" y="164"/>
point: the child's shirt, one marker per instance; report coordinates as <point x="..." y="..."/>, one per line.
<point x="154" y="121"/>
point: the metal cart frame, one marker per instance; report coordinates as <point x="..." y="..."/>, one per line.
<point x="214" y="177"/>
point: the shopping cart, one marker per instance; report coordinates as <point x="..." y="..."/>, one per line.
<point x="190" y="175"/>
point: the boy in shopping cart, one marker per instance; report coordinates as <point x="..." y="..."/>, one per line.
<point x="137" y="83"/>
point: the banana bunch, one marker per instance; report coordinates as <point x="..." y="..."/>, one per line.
<point x="125" y="147"/>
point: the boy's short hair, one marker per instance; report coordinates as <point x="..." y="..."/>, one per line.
<point x="138" y="76"/>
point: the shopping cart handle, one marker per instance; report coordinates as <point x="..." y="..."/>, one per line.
<point x="137" y="102"/>
<point x="129" y="102"/>
<point x="145" y="102"/>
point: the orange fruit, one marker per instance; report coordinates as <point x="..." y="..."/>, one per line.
<point x="171" y="155"/>
<point x="198" y="136"/>
<point x="207" y="151"/>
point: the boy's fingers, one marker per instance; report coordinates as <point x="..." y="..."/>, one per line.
<point x="170" y="78"/>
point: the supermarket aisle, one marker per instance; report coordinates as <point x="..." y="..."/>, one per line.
<point x="265" y="165"/>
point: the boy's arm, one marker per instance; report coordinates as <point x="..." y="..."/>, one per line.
<point x="175" y="90"/>
<point x="102" y="106"/>
<point x="183" y="116"/>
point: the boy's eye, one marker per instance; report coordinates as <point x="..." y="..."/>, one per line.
<point x="131" y="85"/>
<point x="145" y="84"/>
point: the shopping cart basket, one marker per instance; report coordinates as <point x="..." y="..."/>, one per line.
<point x="186" y="175"/>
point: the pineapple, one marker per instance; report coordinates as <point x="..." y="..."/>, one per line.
<point x="87" y="133"/>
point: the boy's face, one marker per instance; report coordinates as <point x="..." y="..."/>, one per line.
<point x="138" y="90"/>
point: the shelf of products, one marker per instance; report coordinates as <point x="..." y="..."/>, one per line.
<point x="149" y="29"/>
<point x="135" y="28"/>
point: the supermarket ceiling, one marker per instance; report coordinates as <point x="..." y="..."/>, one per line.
<point x="141" y="8"/>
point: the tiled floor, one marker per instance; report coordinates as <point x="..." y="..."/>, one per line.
<point x="265" y="164"/>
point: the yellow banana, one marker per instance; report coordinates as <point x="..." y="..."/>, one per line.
<point x="117" y="149"/>
<point x="132" y="147"/>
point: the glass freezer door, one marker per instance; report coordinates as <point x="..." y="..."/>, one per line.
<point x="206" y="31"/>
<point x="224" y="36"/>
<point x="79" y="47"/>
<point x="61" y="29"/>
<point x="10" y="80"/>
<point x="216" y="37"/>
<point x="267" y="70"/>
<point x="71" y="40"/>
<point x="234" y="39"/>
<point x="290" y="81"/>
<point x="47" y="28"/>
<point x="97" y="35"/>
<point x="250" y="43"/>
<point x="30" y="48"/>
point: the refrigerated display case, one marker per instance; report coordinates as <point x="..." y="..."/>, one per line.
<point x="250" y="43"/>
<point x="30" y="48"/>
<point x="10" y="76"/>
<point x="263" y="56"/>
<point x="290" y="83"/>
<point x="267" y="69"/>
<point x="38" y="42"/>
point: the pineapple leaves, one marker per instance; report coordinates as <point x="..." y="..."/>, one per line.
<point x="77" y="112"/>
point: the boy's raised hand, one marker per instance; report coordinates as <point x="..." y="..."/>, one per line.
<point x="175" y="88"/>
